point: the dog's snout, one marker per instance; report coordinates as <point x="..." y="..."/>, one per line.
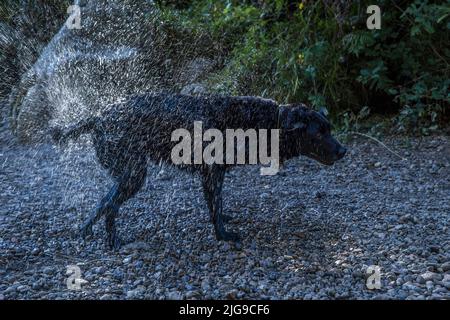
<point x="341" y="151"/>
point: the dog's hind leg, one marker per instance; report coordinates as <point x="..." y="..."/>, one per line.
<point x="86" y="228"/>
<point x="125" y="188"/>
<point x="212" y="188"/>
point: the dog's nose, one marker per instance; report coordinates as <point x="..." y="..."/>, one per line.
<point x="341" y="152"/>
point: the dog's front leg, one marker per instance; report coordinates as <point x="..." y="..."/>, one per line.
<point x="213" y="178"/>
<point x="102" y="208"/>
<point x="109" y="207"/>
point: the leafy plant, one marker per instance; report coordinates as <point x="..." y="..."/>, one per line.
<point x="321" y="52"/>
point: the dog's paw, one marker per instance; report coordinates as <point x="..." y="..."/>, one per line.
<point x="86" y="230"/>
<point x="114" y="242"/>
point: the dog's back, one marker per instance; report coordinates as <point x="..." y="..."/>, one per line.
<point x="144" y="123"/>
<point x="180" y="111"/>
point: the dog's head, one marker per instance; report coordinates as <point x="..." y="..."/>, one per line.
<point x="307" y="132"/>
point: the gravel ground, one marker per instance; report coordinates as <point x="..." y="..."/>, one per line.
<point x="308" y="233"/>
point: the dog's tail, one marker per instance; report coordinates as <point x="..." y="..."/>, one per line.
<point x="62" y="136"/>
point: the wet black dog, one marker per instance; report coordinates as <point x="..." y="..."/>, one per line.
<point x="140" y="129"/>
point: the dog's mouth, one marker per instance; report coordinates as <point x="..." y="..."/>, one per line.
<point x="327" y="162"/>
<point x="330" y="159"/>
<point x="318" y="158"/>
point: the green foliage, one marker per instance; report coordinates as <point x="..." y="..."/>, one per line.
<point x="321" y="52"/>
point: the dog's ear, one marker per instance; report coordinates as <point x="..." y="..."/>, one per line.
<point x="285" y="116"/>
<point x="290" y="117"/>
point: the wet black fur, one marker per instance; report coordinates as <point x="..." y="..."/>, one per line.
<point x="139" y="129"/>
